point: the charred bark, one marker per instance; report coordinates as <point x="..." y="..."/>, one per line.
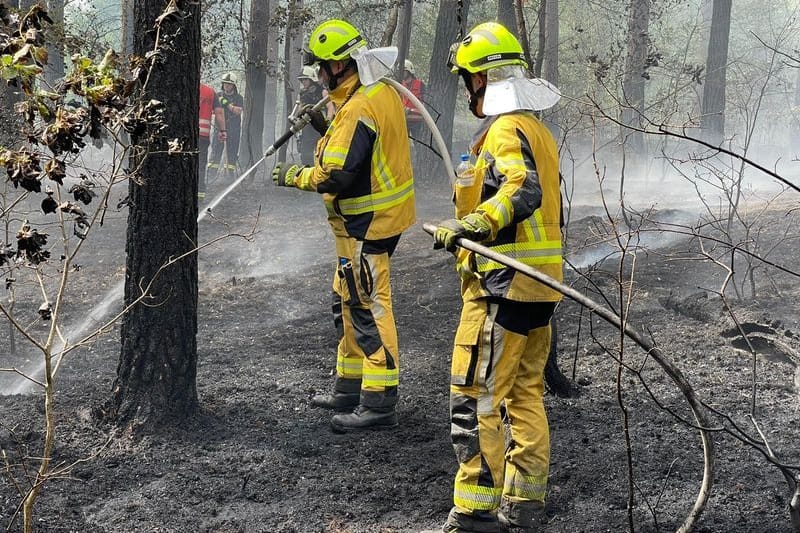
<point x="156" y="374"/>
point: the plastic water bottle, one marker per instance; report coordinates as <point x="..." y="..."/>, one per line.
<point x="464" y="171"/>
<point x="465" y="195"/>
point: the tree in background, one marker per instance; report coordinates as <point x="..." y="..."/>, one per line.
<point x="296" y="16"/>
<point x="635" y="75"/>
<point x="506" y="15"/>
<point x="713" y="115"/>
<point x="127" y="27"/>
<point x="256" y="83"/>
<point x="54" y="70"/>
<point x="406" y="10"/>
<point x="156" y="375"/>
<point x="442" y="84"/>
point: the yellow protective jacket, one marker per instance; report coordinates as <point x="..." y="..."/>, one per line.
<point x="516" y="188"/>
<point x="363" y="163"/>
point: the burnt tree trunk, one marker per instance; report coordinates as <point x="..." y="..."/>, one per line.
<point x="156" y="375"/>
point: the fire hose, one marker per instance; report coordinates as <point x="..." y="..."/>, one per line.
<point x="653" y="351"/>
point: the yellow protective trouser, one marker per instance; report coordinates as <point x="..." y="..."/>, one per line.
<point x="500" y="351"/>
<point x="367" y="358"/>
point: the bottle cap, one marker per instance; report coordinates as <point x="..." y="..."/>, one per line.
<point x="465" y="157"/>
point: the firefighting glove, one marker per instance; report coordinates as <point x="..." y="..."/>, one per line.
<point x="474" y="227"/>
<point x="285" y="174"/>
<point x="318" y="121"/>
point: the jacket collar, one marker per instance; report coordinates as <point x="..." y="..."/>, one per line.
<point x="345" y="87"/>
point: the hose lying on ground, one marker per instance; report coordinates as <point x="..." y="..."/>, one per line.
<point x="612" y="318"/>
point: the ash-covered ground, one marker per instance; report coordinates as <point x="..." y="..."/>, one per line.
<point x="258" y="458"/>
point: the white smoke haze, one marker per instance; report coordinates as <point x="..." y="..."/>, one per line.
<point x="298" y="244"/>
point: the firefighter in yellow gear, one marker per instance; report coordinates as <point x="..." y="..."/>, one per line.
<point x="362" y="168"/>
<point x="511" y="202"/>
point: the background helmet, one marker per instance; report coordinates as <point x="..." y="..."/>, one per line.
<point x="409" y="66"/>
<point x="488" y="45"/>
<point x="229" y="78"/>
<point x="308" y="73"/>
<point x="333" y="40"/>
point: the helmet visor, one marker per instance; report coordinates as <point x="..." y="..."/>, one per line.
<point x="309" y="59"/>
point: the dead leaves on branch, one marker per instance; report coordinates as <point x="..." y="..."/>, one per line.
<point x="30" y="245"/>
<point x="93" y="97"/>
<point x="23" y="169"/>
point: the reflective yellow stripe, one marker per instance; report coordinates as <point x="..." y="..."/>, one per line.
<point x="349" y="367"/>
<point x="379" y="377"/>
<point x="528" y="487"/>
<point x="377" y="201"/>
<point x="334" y="155"/>
<point x="504" y="165"/>
<point x="476" y="497"/>
<point x="536" y="251"/>
<point x="381" y="168"/>
<point x="372" y="89"/>
<point x="530" y="257"/>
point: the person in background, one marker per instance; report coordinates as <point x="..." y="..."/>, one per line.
<point x="233" y="104"/>
<point x="417" y="88"/>
<point x="363" y="170"/>
<point x="209" y="107"/>
<point x="310" y="93"/>
<point x="513" y="206"/>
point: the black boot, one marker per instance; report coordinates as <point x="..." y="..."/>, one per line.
<point x="338" y="401"/>
<point x="527" y="515"/>
<point x="364" y="418"/>
<point x="478" y="522"/>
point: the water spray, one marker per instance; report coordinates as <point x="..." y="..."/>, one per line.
<point x="374" y="65"/>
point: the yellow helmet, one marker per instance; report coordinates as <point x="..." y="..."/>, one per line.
<point x="487" y="45"/>
<point x="333" y="40"/>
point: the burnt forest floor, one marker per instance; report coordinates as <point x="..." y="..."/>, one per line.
<point x="258" y="458"/>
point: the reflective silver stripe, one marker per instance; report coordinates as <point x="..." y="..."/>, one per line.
<point x="380" y="377"/>
<point x="528" y="487"/>
<point x="476" y="497"/>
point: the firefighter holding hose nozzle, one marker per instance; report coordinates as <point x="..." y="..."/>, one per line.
<point x="362" y="168"/>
